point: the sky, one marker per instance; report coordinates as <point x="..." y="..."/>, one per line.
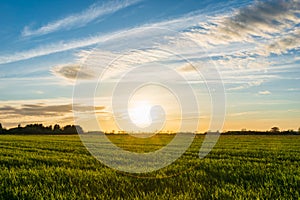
<point x="140" y="65"/>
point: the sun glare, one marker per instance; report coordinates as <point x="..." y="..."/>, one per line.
<point x="139" y="114"/>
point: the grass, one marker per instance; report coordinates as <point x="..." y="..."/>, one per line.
<point x="239" y="167"/>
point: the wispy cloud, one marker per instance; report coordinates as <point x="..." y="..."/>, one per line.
<point x="270" y="18"/>
<point x="71" y="72"/>
<point x="56" y="47"/>
<point x="238" y="114"/>
<point x="39" y="92"/>
<point x="79" y="19"/>
<point x="37" y="109"/>
<point x="293" y="89"/>
<point x="34" y="112"/>
<point x="135" y="34"/>
<point x="246" y="85"/>
<point x="265" y="92"/>
<point x="262" y="19"/>
<point x="187" y="68"/>
<point x="285" y="43"/>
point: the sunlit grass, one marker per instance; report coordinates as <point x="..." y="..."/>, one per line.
<point x="137" y="144"/>
<point x="239" y="167"/>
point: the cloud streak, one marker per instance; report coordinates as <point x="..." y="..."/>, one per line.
<point x="285" y="43"/>
<point x="266" y="92"/>
<point x="80" y="19"/>
<point x="246" y="85"/>
<point x="262" y="19"/>
<point x="44" y="110"/>
<point x="135" y="34"/>
<point x="271" y="18"/>
<point x="71" y="72"/>
<point x="56" y="48"/>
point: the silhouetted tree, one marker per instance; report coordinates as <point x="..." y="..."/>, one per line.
<point x="49" y="128"/>
<point x="41" y="129"/>
<point x="275" y="129"/>
<point x="56" y="129"/>
<point x="69" y="129"/>
<point x="36" y="129"/>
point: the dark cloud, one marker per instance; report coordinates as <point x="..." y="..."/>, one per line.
<point x="261" y="19"/>
<point x="37" y="110"/>
<point x="6" y="109"/>
<point x="44" y="110"/>
<point x="72" y="72"/>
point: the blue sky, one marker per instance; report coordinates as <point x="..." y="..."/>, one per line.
<point x="254" y="45"/>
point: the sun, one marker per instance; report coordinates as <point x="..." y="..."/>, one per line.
<point x="139" y="113"/>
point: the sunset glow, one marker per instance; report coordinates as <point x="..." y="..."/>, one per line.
<point x="157" y="53"/>
<point x="139" y="113"/>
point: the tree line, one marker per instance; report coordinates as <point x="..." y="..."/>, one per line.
<point x="273" y="131"/>
<point x="41" y="129"/>
<point x="75" y="129"/>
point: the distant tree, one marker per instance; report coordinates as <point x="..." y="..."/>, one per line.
<point x="49" y="127"/>
<point x="36" y="129"/>
<point x="275" y="129"/>
<point x="41" y="129"/>
<point x="72" y="129"/>
<point x="56" y="129"/>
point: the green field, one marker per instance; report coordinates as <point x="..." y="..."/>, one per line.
<point x="239" y="167"/>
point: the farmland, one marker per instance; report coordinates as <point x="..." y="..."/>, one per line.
<point x="239" y="167"/>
